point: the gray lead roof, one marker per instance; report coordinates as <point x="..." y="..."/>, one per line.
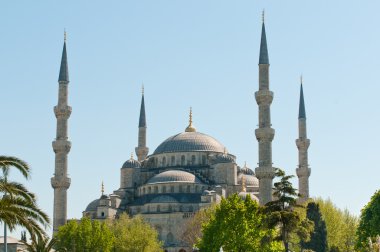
<point x="142" y="119"/>
<point x="302" y="112"/>
<point x="264" y="58"/>
<point x="64" y="70"/>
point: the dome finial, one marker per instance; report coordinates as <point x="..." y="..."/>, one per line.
<point x="64" y="35"/>
<point x="243" y="186"/>
<point x="190" y="128"/>
<point x="102" y="188"/>
<point x="131" y="155"/>
<point x="263" y="16"/>
<point x="142" y="88"/>
<point x="301" y="79"/>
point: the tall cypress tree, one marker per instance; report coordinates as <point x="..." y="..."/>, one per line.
<point x="318" y="239"/>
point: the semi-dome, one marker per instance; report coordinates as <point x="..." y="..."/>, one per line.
<point x="190" y="141"/>
<point x="174" y="176"/>
<point x="250" y="180"/>
<point x="131" y="163"/>
<point x="224" y="159"/>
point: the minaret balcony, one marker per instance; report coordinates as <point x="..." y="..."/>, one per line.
<point x="60" y="146"/>
<point x="265" y="172"/>
<point x="62" y="182"/>
<point x="303" y="143"/>
<point x="303" y="171"/>
<point x="62" y="111"/>
<point x="264" y="97"/>
<point x="264" y="134"/>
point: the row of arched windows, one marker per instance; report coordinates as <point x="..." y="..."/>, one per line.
<point x="171" y="189"/>
<point x="165" y="161"/>
<point x="166" y="208"/>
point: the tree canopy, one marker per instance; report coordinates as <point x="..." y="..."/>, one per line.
<point x="238" y="225"/>
<point x="133" y="235"/>
<point x="369" y="224"/>
<point x="340" y="224"/>
<point x="281" y="211"/>
<point x="84" y="236"/>
<point x="318" y="239"/>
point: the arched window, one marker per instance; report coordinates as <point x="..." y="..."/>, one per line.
<point x="170" y="208"/>
<point x="193" y="160"/>
<point x="169" y="238"/>
<point x="188" y="188"/>
<point x="180" y="208"/>
<point x="149" y="189"/>
<point x="148" y="209"/>
<point x="182" y="160"/>
<point x="156" y="189"/>
<point x="164" y="161"/>
<point x="191" y="209"/>
<point x="172" y="189"/>
<point x="173" y="161"/>
<point x="158" y="208"/>
<point x="180" y="188"/>
<point x="196" y="188"/>
<point x="164" y="189"/>
<point x="102" y="214"/>
<point x="144" y="190"/>
<point x="203" y="160"/>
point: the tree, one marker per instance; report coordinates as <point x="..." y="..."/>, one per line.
<point x="39" y="244"/>
<point x="318" y="239"/>
<point x="18" y="206"/>
<point x="133" y="235"/>
<point x="340" y="224"/>
<point x="282" y="214"/>
<point x="193" y="230"/>
<point x="84" y="236"/>
<point x="369" y="224"/>
<point x="237" y="225"/>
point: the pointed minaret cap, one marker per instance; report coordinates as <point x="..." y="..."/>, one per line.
<point x="264" y="58"/>
<point x="64" y="70"/>
<point x="302" y="112"/>
<point x="190" y="128"/>
<point x="142" y="119"/>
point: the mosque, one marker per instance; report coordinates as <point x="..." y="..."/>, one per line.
<point x="186" y="172"/>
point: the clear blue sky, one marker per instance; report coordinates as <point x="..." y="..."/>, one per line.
<point x="202" y="54"/>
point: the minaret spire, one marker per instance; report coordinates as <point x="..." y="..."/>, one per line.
<point x="141" y="149"/>
<point x="303" y="171"/>
<point x="61" y="146"/>
<point x="265" y="133"/>
<point x="190" y="128"/>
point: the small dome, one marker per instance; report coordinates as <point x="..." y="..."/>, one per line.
<point x="163" y="199"/>
<point x="92" y="206"/>
<point x="243" y="195"/>
<point x="190" y="141"/>
<point x="225" y="158"/>
<point x="250" y="180"/>
<point x="174" y="176"/>
<point x="131" y="163"/>
<point x="246" y="170"/>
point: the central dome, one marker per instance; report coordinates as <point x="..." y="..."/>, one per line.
<point x="190" y="141"/>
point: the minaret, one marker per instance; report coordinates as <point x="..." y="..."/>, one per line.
<point x="303" y="170"/>
<point x="141" y="149"/>
<point x="61" y="146"/>
<point x="264" y="134"/>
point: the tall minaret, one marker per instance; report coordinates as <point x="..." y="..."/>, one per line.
<point x="61" y="146"/>
<point x="141" y="149"/>
<point x="303" y="170"/>
<point x="264" y="134"/>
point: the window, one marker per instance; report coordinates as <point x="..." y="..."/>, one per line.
<point x="102" y="214"/>
<point x="203" y="160"/>
<point x="170" y="208"/>
<point x="164" y="161"/>
<point x="158" y="208"/>
<point x="180" y="189"/>
<point x="182" y="160"/>
<point x="196" y="188"/>
<point x="172" y="189"/>
<point x="173" y="161"/>
<point x="193" y="159"/>
<point x="164" y="189"/>
<point x="144" y="190"/>
<point x="156" y="189"/>
<point x="149" y="189"/>
<point x="191" y="209"/>
<point x="188" y="188"/>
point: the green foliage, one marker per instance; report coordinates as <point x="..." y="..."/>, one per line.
<point x="193" y="231"/>
<point x="237" y="226"/>
<point x="369" y="225"/>
<point x="18" y="206"/>
<point x="341" y="226"/>
<point x="84" y="236"/>
<point x="318" y="239"/>
<point x="133" y="235"/>
<point x="281" y="212"/>
<point x="39" y="244"/>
